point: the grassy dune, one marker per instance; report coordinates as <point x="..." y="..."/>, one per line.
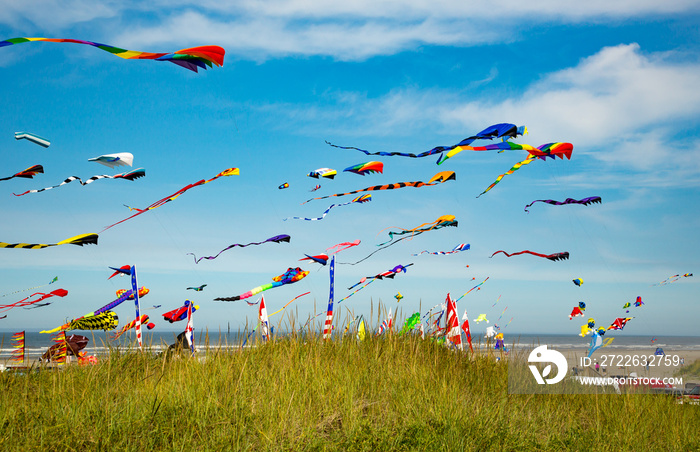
<point x="301" y="393"/>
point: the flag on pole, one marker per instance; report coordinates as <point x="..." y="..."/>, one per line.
<point x="189" y="329"/>
<point x="361" y="330"/>
<point x="18" y="346"/>
<point x="467" y="331"/>
<point x="263" y="319"/>
<point x="328" y="326"/>
<point x="386" y="324"/>
<point x="452" y="332"/>
<point x="135" y="288"/>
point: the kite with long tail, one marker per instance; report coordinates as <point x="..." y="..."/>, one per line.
<point x="443" y="221"/>
<point x="291" y="276"/>
<point x="55" y="278"/>
<point x="131" y="175"/>
<point x="387" y="274"/>
<point x="446" y="221"/>
<point x="360" y="199"/>
<point x="276" y="239"/>
<point x="29" y="173"/>
<point x="456" y="249"/>
<point x="27" y="302"/>
<point x="80" y="240"/>
<point x="160" y="202"/>
<point x="106" y="308"/>
<point x="504" y="131"/>
<point x="672" y="279"/>
<point x="343" y="246"/>
<point x="193" y="58"/>
<point x="552" y="257"/>
<point x="439" y="178"/>
<point x="543" y="151"/>
<point x="366" y="168"/>
<point x="144" y="320"/>
<point x="552" y="150"/>
<point x="515" y="167"/>
<point x="584" y="201"/>
<point x="475" y="287"/>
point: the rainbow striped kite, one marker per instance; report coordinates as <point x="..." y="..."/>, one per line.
<point x="193" y="58"/>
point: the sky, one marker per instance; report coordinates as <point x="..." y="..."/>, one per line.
<point x="617" y="79"/>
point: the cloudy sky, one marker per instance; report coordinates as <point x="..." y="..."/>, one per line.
<point x="617" y="79"/>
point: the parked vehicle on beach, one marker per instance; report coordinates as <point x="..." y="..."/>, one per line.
<point x="691" y="397"/>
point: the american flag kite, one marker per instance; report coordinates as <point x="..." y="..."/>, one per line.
<point x="135" y="288"/>
<point x="189" y="329"/>
<point x="328" y="326"/>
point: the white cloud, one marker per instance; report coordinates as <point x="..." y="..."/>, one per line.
<point x="629" y="110"/>
<point x="354" y="30"/>
<point x="52" y="16"/>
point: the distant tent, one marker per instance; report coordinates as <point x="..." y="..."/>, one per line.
<point x="659" y="351"/>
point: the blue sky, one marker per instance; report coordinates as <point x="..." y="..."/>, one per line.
<point x="617" y="79"/>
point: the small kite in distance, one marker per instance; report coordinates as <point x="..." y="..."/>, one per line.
<point x="29" y="173"/>
<point x="360" y="200"/>
<point x="323" y="172"/>
<point x="315" y="188"/>
<point x="343" y="246"/>
<point x="577" y="281"/>
<point x="43" y="142"/>
<point x="197" y="289"/>
<point x="619" y="323"/>
<point x="672" y="279"/>
<point x="584" y="201"/>
<point x="443" y="221"/>
<point x="112" y="160"/>
<point x="283" y="186"/>
<point x="552" y="257"/>
<point x="366" y="168"/>
<point x="481" y="318"/>
<point x="121" y="271"/>
<point x="276" y="239"/>
<point x="320" y="258"/>
<point x="456" y="249"/>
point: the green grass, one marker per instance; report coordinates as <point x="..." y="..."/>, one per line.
<point x="691" y="371"/>
<point x="301" y="393"/>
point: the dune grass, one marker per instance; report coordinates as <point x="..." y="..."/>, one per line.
<point x="303" y="393"/>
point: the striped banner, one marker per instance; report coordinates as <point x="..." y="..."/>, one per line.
<point x="135" y="290"/>
<point x="328" y="326"/>
<point x="18" y="346"/>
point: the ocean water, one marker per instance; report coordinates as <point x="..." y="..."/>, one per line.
<point x="36" y="344"/>
<point x="621" y="342"/>
<point x="99" y="343"/>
